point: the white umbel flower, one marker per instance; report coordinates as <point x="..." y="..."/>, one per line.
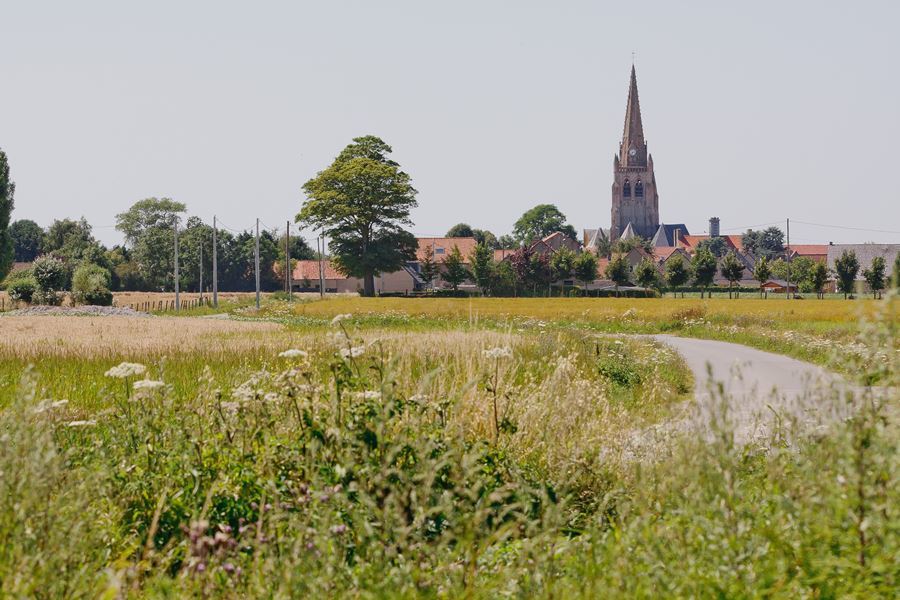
<point x="498" y="352"/>
<point x="338" y="318"/>
<point x="293" y="353"/>
<point x="148" y="384"/>
<point x="125" y="370"/>
<point x="353" y="352"/>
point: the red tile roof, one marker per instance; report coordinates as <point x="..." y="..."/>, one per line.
<point x="692" y="241"/>
<point x="664" y="252"/>
<point x="443" y="246"/>
<point x="737" y="241"/>
<point x="809" y="249"/>
<point x="309" y="269"/>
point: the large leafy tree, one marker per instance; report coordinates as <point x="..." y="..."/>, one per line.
<point x="482" y="261"/>
<point x="503" y="283"/>
<point x="195" y="235"/>
<point x="455" y="271"/>
<point x="646" y="274"/>
<point x="362" y="202"/>
<point x="7" y="191"/>
<point x="149" y="229"/>
<point x="461" y="230"/>
<point x="428" y="267"/>
<point x="875" y="276"/>
<point x="767" y="243"/>
<point x="800" y="269"/>
<point x="150" y="213"/>
<point x="482" y="236"/>
<point x="28" y="239"/>
<point x="562" y="264"/>
<point x="732" y="270"/>
<point x="585" y="268"/>
<point x="541" y="221"/>
<point x="521" y="264"/>
<point x="677" y="273"/>
<point x="71" y="241"/>
<point x="507" y="242"/>
<point x="762" y="272"/>
<point x="819" y="278"/>
<point x="236" y="261"/>
<point x="846" y="266"/>
<point x="618" y="271"/>
<point x="703" y="267"/>
<point x="716" y="245"/>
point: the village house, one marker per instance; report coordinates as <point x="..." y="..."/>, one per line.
<point x="306" y="273"/>
<point x="865" y="254"/>
<point x="816" y="252"/>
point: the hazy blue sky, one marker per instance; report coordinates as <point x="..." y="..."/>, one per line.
<point x="754" y="111"/>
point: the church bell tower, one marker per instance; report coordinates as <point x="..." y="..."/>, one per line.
<point x="634" y="197"/>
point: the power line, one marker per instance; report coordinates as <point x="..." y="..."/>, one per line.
<point x="751" y="226"/>
<point x="232" y="230"/>
<point x="268" y="227"/>
<point x="846" y="227"/>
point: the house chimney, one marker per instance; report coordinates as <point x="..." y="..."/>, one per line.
<point x="714" y="227"/>
<point x="677" y="235"/>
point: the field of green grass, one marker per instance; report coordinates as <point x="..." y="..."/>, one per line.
<point x="398" y="447"/>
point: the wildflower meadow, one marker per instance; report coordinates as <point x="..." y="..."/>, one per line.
<point x="445" y="448"/>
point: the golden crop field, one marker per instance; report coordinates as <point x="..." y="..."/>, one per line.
<point x="554" y="309"/>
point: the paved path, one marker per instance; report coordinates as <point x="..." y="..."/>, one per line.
<point x="752" y="388"/>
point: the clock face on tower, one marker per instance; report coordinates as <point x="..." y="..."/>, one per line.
<point x="632" y="152"/>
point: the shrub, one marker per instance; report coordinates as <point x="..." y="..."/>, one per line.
<point x="21" y="286"/>
<point x="90" y="285"/>
<point x="47" y="297"/>
<point x="50" y="275"/>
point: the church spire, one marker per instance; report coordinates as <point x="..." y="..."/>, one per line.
<point x="634" y="149"/>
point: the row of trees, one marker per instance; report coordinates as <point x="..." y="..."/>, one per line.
<point x="528" y="272"/>
<point x="525" y="272"/>
<point x="145" y="262"/>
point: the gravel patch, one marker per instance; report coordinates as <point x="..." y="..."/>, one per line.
<point x="68" y="311"/>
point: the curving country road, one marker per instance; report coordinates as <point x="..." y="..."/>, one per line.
<point x="753" y="389"/>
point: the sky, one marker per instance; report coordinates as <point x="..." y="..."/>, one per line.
<point x="754" y="112"/>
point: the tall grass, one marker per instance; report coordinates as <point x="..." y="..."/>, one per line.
<point x="369" y="463"/>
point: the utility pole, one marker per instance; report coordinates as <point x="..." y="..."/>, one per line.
<point x="288" y="275"/>
<point x="201" y="266"/>
<point x="788" y="227"/>
<point x="177" y="294"/>
<point x="215" y="273"/>
<point x="321" y="266"/>
<point x="257" y="264"/>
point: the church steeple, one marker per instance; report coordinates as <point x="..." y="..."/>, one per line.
<point x="635" y="202"/>
<point x="633" y="151"/>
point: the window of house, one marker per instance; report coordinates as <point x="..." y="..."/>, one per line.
<point x="626" y="189"/>
<point x="639" y="189"/>
<point x="438" y="250"/>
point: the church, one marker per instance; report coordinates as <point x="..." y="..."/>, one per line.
<point x="635" y="199"/>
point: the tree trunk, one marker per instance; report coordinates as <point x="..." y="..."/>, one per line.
<point x="369" y="284"/>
